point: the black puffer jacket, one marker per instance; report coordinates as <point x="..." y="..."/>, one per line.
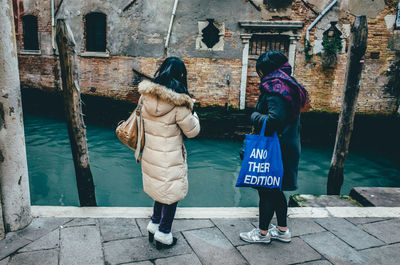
<point x="275" y="108"/>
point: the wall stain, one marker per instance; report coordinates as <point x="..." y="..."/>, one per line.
<point x="20" y="179"/>
<point x="2" y="121"/>
<point x="12" y="110"/>
<point x="1" y="157"/>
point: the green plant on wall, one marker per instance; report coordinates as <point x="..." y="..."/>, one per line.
<point x="331" y="45"/>
<point x="307" y="50"/>
<point x="393" y="73"/>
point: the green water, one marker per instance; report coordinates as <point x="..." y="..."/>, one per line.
<point x="213" y="168"/>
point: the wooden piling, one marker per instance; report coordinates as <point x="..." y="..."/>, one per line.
<point x="358" y="46"/>
<point x="74" y="116"/>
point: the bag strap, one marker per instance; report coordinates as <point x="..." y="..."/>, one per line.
<point x="140" y="128"/>
<point x="262" y="132"/>
<point x="139" y="105"/>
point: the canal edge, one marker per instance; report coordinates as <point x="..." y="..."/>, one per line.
<point x="212" y="212"/>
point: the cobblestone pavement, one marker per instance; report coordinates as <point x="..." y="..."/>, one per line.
<point x="89" y="241"/>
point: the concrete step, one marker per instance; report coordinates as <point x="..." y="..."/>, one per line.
<point x="376" y="196"/>
<point x="305" y="200"/>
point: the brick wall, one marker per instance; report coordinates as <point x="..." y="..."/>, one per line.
<point x="113" y="77"/>
<point x="326" y="86"/>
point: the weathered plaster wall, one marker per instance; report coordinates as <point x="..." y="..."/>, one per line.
<point x="141" y="30"/>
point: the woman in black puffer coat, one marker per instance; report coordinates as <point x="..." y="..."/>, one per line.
<point x="280" y="102"/>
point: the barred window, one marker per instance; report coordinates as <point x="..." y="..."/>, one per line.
<point x="95" y="29"/>
<point x="30" y="32"/>
<point x="262" y="43"/>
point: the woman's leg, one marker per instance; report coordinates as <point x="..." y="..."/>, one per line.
<point x="280" y="204"/>
<point x="167" y="217"/>
<point x="156" y="217"/>
<point x="281" y="232"/>
<point x="266" y="209"/>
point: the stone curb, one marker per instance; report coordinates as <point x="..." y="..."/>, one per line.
<point x="211" y="212"/>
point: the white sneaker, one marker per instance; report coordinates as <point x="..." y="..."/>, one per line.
<point x="277" y="234"/>
<point x="254" y="236"/>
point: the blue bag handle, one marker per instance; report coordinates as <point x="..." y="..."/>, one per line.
<point x="262" y="132"/>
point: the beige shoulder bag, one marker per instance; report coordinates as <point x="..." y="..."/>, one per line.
<point x="131" y="131"/>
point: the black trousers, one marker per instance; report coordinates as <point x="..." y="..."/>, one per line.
<point x="272" y="201"/>
<point x="164" y="214"/>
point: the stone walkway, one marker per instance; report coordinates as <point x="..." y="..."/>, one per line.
<point x="87" y="241"/>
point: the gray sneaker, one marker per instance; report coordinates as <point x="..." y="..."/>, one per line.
<point x="276" y="234"/>
<point x="254" y="236"/>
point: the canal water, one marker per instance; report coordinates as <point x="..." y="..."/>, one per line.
<point x="213" y="168"/>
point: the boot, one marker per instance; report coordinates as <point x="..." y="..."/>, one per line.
<point x="164" y="240"/>
<point x="152" y="228"/>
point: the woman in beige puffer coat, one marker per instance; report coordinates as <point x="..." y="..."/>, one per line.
<point x="167" y="111"/>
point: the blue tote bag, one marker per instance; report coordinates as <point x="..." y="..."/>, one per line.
<point x="262" y="161"/>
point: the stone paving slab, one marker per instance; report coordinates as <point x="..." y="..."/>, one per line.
<point x="49" y="241"/>
<point x="279" y="253"/>
<point x="140" y="249"/>
<point x="317" y="262"/>
<point x="300" y="226"/>
<point x="335" y="250"/>
<point x="351" y="234"/>
<point x="212" y="247"/>
<point x="118" y="228"/>
<point x="231" y="228"/>
<point x="80" y="245"/>
<point x="365" y="220"/>
<point x="140" y="263"/>
<point x="43" y="257"/>
<point x="4" y="261"/>
<point x="387" y="231"/>
<point x="81" y="222"/>
<point x="189" y="259"/>
<point x="11" y="243"/>
<point x="178" y="225"/>
<point x="41" y="226"/>
<point x="386" y="255"/>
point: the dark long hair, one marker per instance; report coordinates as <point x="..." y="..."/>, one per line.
<point x="172" y="74"/>
<point x="269" y="62"/>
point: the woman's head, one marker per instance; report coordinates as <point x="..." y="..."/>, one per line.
<point x="172" y="74"/>
<point x="269" y="62"/>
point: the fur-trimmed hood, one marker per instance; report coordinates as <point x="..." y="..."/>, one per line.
<point x="147" y="87"/>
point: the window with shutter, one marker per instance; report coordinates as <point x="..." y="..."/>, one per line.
<point x="30" y="32"/>
<point x="262" y="43"/>
<point x="95" y="29"/>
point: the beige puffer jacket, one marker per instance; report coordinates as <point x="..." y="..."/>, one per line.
<point x="166" y="115"/>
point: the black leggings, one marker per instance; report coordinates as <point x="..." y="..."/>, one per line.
<point x="272" y="200"/>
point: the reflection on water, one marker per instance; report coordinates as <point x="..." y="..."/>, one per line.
<point x="213" y="168"/>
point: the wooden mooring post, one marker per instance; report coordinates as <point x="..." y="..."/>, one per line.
<point x="15" y="202"/>
<point x="358" y="46"/>
<point x="74" y="116"/>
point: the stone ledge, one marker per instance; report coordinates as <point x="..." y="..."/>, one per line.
<point x="95" y="54"/>
<point x="376" y="196"/>
<point x="272" y="24"/>
<point x="30" y="52"/>
<point x="211" y="212"/>
<point x="306" y="200"/>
